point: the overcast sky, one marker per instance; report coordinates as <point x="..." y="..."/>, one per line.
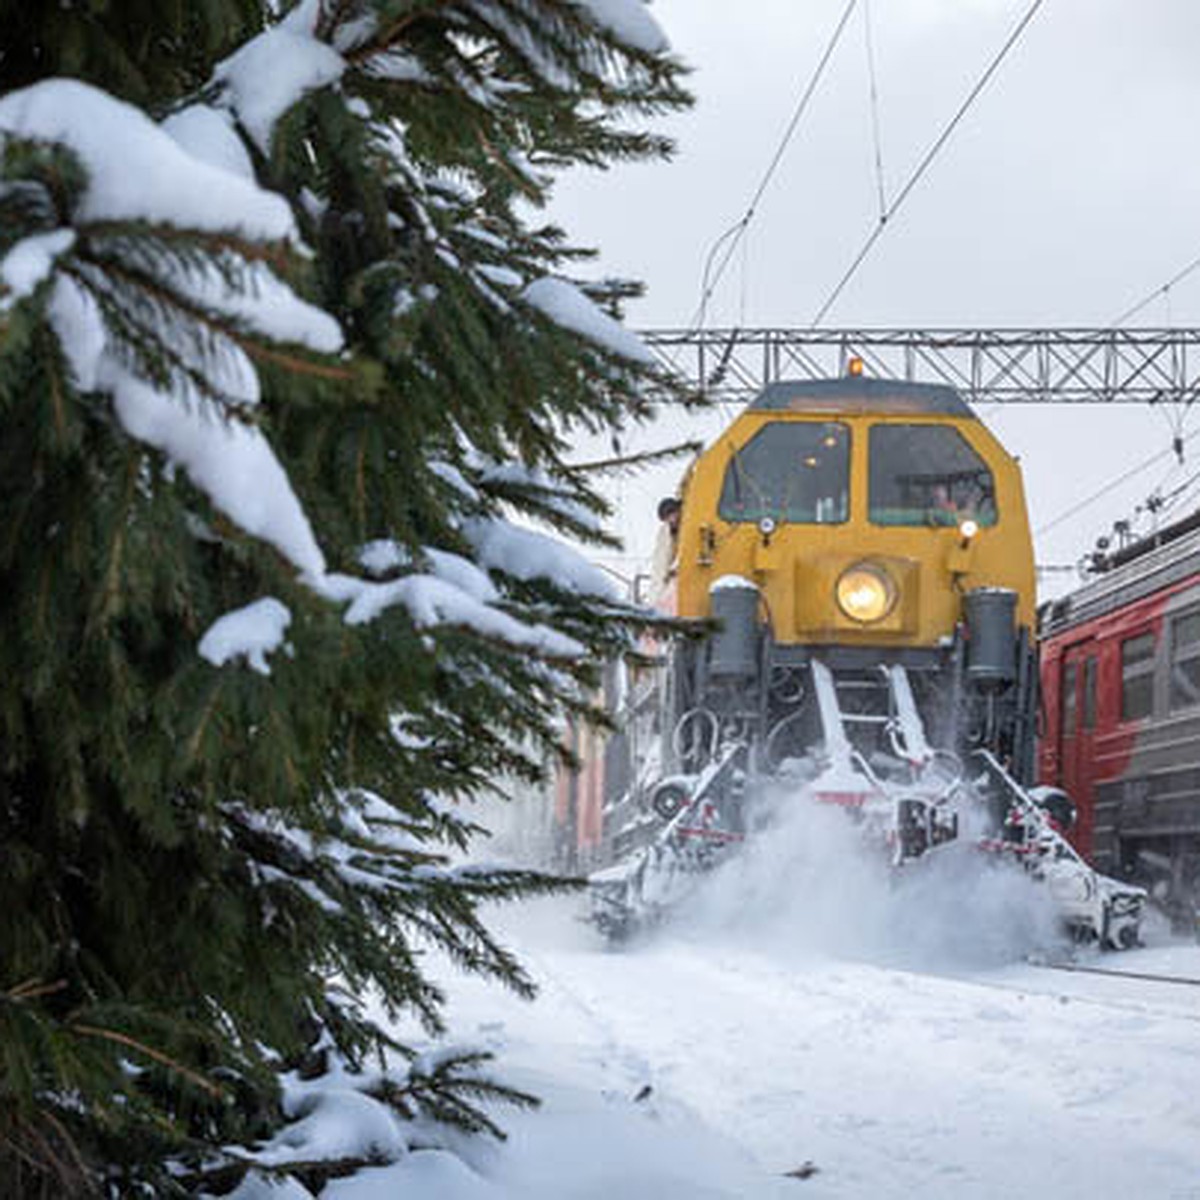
<point x="1069" y="192"/>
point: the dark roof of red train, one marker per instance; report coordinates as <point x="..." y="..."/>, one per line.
<point x="857" y="393"/>
<point x="1163" y="559"/>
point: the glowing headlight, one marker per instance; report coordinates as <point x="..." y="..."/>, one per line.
<point x="866" y="593"/>
<point x="968" y="529"/>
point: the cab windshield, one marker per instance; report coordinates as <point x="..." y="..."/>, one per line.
<point x="795" y="472"/>
<point x="927" y="475"/>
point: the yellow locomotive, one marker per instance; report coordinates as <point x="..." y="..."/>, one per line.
<point x="862" y="550"/>
<point x="858" y="551"/>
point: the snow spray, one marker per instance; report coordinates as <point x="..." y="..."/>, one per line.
<point x="809" y="883"/>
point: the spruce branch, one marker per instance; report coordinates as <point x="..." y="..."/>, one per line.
<point x="166" y="821"/>
<point x="632" y="462"/>
<point x="33" y="989"/>
<point x="132" y="1043"/>
<point x="51" y="1155"/>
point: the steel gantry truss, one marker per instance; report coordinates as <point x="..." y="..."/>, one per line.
<point x="985" y="365"/>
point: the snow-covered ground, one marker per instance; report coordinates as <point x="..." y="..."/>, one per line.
<point x="806" y="1013"/>
<point x="1000" y="1081"/>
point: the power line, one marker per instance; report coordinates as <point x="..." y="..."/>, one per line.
<point x="1163" y="290"/>
<point x="873" y="89"/>
<point x="925" y="163"/>
<point x="1176" y="422"/>
<point x="738" y="229"/>
<point x="1145" y="465"/>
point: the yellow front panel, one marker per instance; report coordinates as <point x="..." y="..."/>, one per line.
<point x="796" y="566"/>
<point x="816" y="615"/>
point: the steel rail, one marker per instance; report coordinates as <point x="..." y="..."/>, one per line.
<point x="1075" y="968"/>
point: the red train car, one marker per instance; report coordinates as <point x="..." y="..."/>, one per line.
<point x="1120" y="672"/>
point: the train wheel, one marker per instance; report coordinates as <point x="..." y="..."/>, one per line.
<point x="1127" y="939"/>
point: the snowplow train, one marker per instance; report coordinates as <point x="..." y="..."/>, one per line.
<point x="858" y="551"/>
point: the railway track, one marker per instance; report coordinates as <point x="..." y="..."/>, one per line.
<point x="1147" y="976"/>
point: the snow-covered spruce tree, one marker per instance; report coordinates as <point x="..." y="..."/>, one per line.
<point x="281" y="355"/>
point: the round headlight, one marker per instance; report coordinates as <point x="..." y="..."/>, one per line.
<point x="866" y="593"/>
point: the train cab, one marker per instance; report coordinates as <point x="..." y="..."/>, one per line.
<point x="864" y="510"/>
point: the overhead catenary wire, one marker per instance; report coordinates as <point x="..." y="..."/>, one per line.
<point x="1162" y="290"/>
<point x="743" y="280"/>
<point x="1111" y="486"/>
<point x="925" y="163"/>
<point x="1179" y="420"/>
<point x="734" y="234"/>
<point x="1157" y="502"/>
<point x="1161" y="503"/>
<point x="1176" y="422"/>
<point x="873" y="90"/>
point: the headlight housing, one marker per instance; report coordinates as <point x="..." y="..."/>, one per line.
<point x="866" y="593"/>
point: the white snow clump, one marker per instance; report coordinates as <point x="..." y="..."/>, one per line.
<point x="136" y="170"/>
<point x="526" y="554"/>
<point x="30" y="262"/>
<point x="565" y="305"/>
<point x="267" y="75"/>
<point x="630" y="21"/>
<point x="207" y="133"/>
<point x="229" y="460"/>
<point x="251" y="632"/>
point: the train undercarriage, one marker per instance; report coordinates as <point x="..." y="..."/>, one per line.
<point x="919" y="749"/>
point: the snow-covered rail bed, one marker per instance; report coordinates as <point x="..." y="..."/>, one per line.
<point x="979" y="1083"/>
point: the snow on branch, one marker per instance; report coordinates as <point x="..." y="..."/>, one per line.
<point x="565" y="305"/>
<point x="30" y="262"/>
<point x="560" y="497"/>
<point x="433" y="602"/>
<point x="254" y="296"/>
<point x="272" y="71"/>
<point x="226" y="458"/>
<point x="135" y="170"/>
<point x="629" y="22"/>
<point x="251" y="632"/>
<point x="548" y="64"/>
<point x="128" y="292"/>
<point x="395" y="1126"/>
<point x="526" y="554"/>
<point x="207" y="133"/>
<point x="334" y="1123"/>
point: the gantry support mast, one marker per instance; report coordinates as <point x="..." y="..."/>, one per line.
<point x="985" y="365"/>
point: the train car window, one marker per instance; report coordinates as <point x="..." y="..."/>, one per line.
<point x="1185" y="661"/>
<point x="1137" y="677"/>
<point x="1089" y="693"/>
<point x="927" y="475"/>
<point x="795" y="472"/>
<point x="1069" y="708"/>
